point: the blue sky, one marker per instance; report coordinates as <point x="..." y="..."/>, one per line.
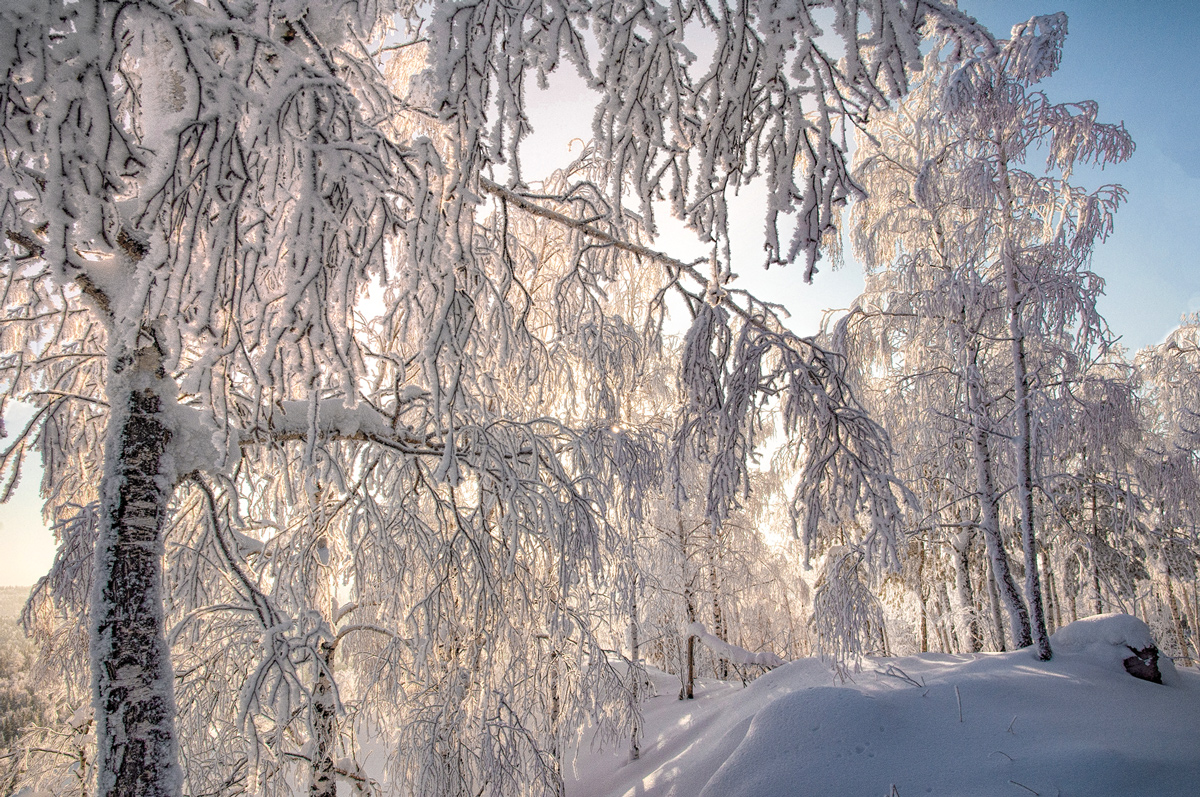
<point x="1140" y="61"/>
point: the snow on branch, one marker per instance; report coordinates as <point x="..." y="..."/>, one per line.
<point x="773" y="101"/>
<point x="732" y="652"/>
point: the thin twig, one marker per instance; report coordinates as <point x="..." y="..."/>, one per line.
<point x="895" y="672"/>
<point x="399" y="46"/>
<point x="959" y="697"/>
<point x="1023" y="786"/>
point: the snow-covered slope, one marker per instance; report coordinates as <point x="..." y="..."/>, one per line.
<point x="991" y="724"/>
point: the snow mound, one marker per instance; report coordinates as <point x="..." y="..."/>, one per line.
<point x="1109" y="639"/>
<point x="1103" y="630"/>
<point x="988" y="724"/>
<point x="733" y="653"/>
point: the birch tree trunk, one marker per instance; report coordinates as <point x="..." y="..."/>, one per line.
<point x="961" y="543"/>
<point x="718" y="618"/>
<point x="323" y="782"/>
<point x="989" y="522"/>
<point x="689" y="673"/>
<point x="1033" y="587"/>
<point x="635" y="675"/>
<point x="994" y="604"/>
<point x="131" y="664"/>
<point x="921" y="596"/>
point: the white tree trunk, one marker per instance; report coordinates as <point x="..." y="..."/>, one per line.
<point x="131" y="665"/>
<point x="635" y="673"/>
<point x="961" y="544"/>
<point x="687" y="692"/>
<point x="989" y="523"/>
<point x="323" y="781"/>
<point x="1033" y="587"/>
<point x="719" y="629"/>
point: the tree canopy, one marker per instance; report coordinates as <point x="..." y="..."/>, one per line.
<point x="357" y="437"/>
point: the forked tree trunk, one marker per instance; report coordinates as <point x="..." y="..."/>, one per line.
<point x="989" y="511"/>
<point x="132" y="677"/>
<point x="961" y="543"/>
<point x="1018" y="617"/>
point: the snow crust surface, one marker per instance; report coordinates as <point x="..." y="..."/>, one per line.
<point x="1000" y="724"/>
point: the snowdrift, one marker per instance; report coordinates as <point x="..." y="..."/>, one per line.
<point x="1000" y="724"/>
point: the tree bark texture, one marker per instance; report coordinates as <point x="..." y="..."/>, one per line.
<point x="989" y="578"/>
<point x="689" y="677"/>
<point x="1018" y="616"/>
<point x="961" y="544"/>
<point x="635" y="673"/>
<point x="989" y="509"/>
<point x="132" y="679"/>
<point x="718" y="618"/>
<point x="323" y="782"/>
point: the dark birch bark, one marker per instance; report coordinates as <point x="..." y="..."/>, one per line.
<point x="323" y="782"/>
<point x="555" y="718"/>
<point x="961" y="543"/>
<point x="689" y="674"/>
<point x="1008" y="258"/>
<point x="689" y="683"/>
<point x="635" y="674"/>
<point x="137" y="754"/>
<point x="1191" y="608"/>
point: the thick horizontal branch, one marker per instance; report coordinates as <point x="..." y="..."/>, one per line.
<point x="85" y="283"/>
<point x="592" y="232"/>
<point x="678" y="266"/>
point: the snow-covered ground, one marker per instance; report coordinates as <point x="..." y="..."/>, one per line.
<point x="1000" y="724"/>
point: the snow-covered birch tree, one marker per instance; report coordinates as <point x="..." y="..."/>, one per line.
<point x="980" y="239"/>
<point x="1046" y="240"/>
<point x="919" y="336"/>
